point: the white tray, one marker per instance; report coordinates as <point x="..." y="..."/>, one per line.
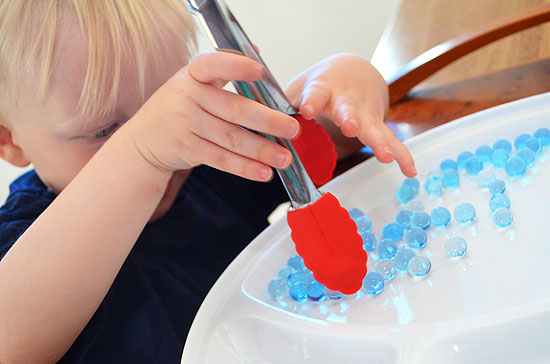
<point x="490" y="306"/>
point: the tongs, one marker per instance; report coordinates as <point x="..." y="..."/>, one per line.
<point x="225" y="34"/>
<point x="322" y="230"/>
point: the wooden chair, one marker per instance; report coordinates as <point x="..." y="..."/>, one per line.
<point x="414" y="112"/>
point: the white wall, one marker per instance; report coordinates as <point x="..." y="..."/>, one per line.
<point x="293" y="34"/>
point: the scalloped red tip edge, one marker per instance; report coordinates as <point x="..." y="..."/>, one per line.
<point x="326" y="237"/>
<point x="316" y="151"/>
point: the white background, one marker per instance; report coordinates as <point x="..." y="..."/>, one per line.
<point x="292" y="35"/>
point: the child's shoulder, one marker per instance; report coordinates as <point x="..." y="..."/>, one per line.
<point x="27" y="199"/>
<point x="27" y="193"/>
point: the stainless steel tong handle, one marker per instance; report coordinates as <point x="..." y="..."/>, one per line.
<point x="225" y="33"/>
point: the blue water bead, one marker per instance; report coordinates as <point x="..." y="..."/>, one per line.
<point x="502" y="144"/>
<point x="534" y="144"/>
<point x="485" y="178"/>
<point x="484" y="153"/>
<point x="402" y="259"/>
<point x="363" y="224"/>
<point x="456" y="246"/>
<point x="499" y="200"/>
<point x="373" y="283"/>
<point x="403" y="217"/>
<point x="393" y="231"/>
<point x="433" y="185"/>
<point x="296" y="262"/>
<point x="515" y="167"/>
<point x="463" y="158"/>
<point x="527" y="155"/>
<point x="440" y="216"/>
<point x="502" y="217"/>
<point x="404" y="194"/>
<point x="474" y="165"/>
<point x="521" y="141"/>
<point x="299" y="276"/>
<point x="369" y="241"/>
<point x="387" y="249"/>
<point x="277" y="288"/>
<point x="497" y="186"/>
<point x="450" y="178"/>
<point x="421" y="220"/>
<point x="333" y="295"/>
<point x="414" y="206"/>
<point x="315" y="291"/>
<point x="543" y="134"/>
<point x="416" y="238"/>
<point x="499" y="158"/>
<point x="285" y="272"/>
<point x="436" y="172"/>
<point x="412" y="183"/>
<point x="386" y="268"/>
<point x="465" y="212"/>
<point x="448" y="165"/>
<point x="355" y="213"/>
<point x="298" y="292"/>
<point x="419" y="266"/>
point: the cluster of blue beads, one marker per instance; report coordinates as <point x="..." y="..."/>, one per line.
<point x="393" y="259"/>
<point x="499" y="203"/>
<point x="527" y="148"/>
<point x="296" y="281"/>
<point x="412" y="222"/>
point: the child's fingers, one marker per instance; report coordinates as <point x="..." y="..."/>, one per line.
<point x="315" y="97"/>
<point x="345" y="116"/>
<point x="293" y="90"/>
<point x="243" y="142"/>
<point x="234" y="108"/>
<point x="214" y="67"/>
<point x="230" y="162"/>
<point x="401" y="154"/>
<point x="372" y="135"/>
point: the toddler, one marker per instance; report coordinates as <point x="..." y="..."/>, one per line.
<point x="144" y="185"/>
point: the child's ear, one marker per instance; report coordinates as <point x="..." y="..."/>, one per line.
<point x="9" y="151"/>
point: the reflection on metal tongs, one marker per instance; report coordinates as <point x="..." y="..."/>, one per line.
<point x="322" y="230"/>
<point x="225" y="34"/>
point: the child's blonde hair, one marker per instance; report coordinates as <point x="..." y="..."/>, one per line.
<point x="119" y="32"/>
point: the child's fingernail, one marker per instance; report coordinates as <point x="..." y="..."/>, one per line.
<point x="308" y="111"/>
<point x="388" y="151"/>
<point x="293" y="129"/>
<point x="265" y="173"/>
<point x="283" y="159"/>
<point x="258" y="70"/>
<point x="354" y="123"/>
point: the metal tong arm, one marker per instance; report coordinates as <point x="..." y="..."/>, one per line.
<point x="225" y="34"/>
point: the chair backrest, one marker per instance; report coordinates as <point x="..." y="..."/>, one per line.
<point x="443" y="54"/>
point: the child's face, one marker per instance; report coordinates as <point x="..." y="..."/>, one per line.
<point x="52" y="135"/>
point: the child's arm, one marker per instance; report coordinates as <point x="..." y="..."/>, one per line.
<point x="350" y="92"/>
<point x="56" y="275"/>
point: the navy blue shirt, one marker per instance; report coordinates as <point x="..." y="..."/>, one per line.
<point x="148" y="310"/>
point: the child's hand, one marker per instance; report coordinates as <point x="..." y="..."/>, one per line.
<point x="349" y="91"/>
<point x="190" y="121"/>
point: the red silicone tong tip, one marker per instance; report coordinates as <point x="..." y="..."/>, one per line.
<point x="326" y="237"/>
<point x="316" y="151"/>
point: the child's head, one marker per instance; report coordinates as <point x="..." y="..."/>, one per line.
<point x="71" y="71"/>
